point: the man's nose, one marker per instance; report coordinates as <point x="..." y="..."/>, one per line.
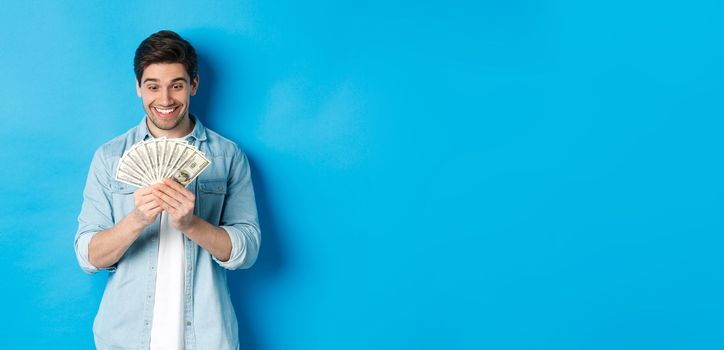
<point x="165" y="98"/>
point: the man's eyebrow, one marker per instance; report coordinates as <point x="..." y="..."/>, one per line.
<point x="154" y="80"/>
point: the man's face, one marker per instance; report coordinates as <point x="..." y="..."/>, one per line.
<point x="166" y="91"/>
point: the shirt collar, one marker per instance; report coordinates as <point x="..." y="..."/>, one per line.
<point x="198" y="133"/>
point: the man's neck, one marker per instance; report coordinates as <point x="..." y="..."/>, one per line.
<point x="184" y="128"/>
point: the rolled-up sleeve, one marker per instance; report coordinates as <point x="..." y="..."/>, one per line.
<point x="95" y="214"/>
<point x="239" y="215"/>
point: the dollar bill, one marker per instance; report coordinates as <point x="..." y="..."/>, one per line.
<point x="177" y="149"/>
<point x="129" y="178"/>
<point x="165" y="153"/>
<point x="185" y="154"/>
<point x="135" y="161"/>
<point x="150" y="146"/>
<point x="191" y="169"/>
<point x="132" y="158"/>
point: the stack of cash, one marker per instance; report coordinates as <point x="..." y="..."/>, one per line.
<point x="149" y="162"/>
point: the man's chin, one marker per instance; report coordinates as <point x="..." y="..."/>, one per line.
<point x="166" y="125"/>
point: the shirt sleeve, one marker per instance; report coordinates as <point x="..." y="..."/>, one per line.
<point x="239" y="216"/>
<point x="95" y="214"/>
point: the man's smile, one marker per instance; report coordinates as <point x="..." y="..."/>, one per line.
<point x="165" y="112"/>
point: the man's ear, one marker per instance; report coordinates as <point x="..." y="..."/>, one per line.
<point x="194" y="85"/>
<point x="138" y="87"/>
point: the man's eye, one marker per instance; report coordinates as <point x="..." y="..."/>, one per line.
<point x="178" y="87"/>
<point x="153" y="88"/>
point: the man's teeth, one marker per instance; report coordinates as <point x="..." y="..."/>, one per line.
<point x="164" y="111"/>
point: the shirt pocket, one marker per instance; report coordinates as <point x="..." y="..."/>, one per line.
<point x="122" y="197"/>
<point x="210" y="202"/>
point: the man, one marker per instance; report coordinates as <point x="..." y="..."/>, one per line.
<point x="167" y="247"/>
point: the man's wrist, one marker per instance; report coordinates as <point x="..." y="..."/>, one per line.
<point x="136" y="221"/>
<point x="193" y="226"/>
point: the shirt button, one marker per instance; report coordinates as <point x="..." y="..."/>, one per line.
<point x="188" y="323"/>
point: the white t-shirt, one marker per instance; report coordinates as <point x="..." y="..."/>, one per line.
<point x="167" y="330"/>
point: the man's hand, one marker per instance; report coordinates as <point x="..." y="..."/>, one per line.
<point x="177" y="201"/>
<point x="148" y="206"/>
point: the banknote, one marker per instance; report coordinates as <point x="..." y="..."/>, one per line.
<point x="150" y="161"/>
<point x="138" y="161"/>
<point x="191" y="169"/>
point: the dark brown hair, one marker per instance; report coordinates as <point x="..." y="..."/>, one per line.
<point x="164" y="47"/>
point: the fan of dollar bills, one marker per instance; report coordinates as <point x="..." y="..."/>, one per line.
<point x="149" y="162"/>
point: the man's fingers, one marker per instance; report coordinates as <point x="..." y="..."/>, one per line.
<point x="180" y="189"/>
<point x="148" y="212"/>
<point x="143" y="191"/>
<point x="145" y="194"/>
<point x="174" y="192"/>
<point x="156" y="211"/>
<point x="173" y="202"/>
<point x="167" y="208"/>
<point x="170" y="193"/>
<point x="145" y="200"/>
<point x="147" y="207"/>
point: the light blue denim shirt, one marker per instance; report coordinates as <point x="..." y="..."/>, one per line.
<point x="224" y="197"/>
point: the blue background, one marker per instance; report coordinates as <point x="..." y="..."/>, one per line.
<point x="430" y="175"/>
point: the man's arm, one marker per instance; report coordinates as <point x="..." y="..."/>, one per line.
<point x="99" y="242"/>
<point x="108" y="246"/>
<point x="235" y="243"/>
<point x="212" y="238"/>
<point x="239" y="216"/>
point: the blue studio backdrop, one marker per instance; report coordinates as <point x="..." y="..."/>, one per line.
<point x="429" y="175"/>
